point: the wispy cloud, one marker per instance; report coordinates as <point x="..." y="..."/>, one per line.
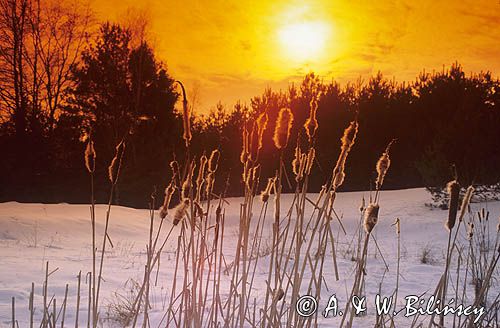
<point x="230" y="51"/>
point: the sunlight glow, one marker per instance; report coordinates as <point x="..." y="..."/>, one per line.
<point x="305" y="41"/>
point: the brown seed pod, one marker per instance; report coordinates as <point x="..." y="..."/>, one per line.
<point x="90" y="156"/>
<point x="371" y="217"/>
<point x="115" y="165"/>
<point x="283" y="128"/>
<point x="278" y="294"/>
<point x="180" y="211"/>
<point x="454" y="192"/>
<point x="166" y="202"/>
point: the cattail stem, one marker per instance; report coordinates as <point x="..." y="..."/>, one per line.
<point x="13" y="312"/>
<point x="89" y="312"/>
<point x="64" y="306"/>
<point x="31" y="303"/>
<point x="77" y="314"/>
<point x="45" y="309"/>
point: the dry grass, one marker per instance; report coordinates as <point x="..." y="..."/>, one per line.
<point x="297" y="250"/>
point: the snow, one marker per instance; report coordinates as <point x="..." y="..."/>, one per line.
<point x="32" y="234"/>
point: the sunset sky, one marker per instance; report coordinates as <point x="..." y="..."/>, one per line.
<point x="230" y="50"/>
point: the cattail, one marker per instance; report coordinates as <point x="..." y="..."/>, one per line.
<point x="264" y="196"/>
<point x="278" y="294"/>
<point x="470" y="230"/>
<point x="338" y="179"/>
<point x="466" y="201"/>
<point x="186" y="119"/>
<point x="201" y="174"/>
<point x="166" y="202"/>
<point x="180" y="211"/>
<point x="244" y="148"/>
<point x="213" y="162"/>
<point x="302" y="167"/>
<point x="255" y="171"/>
<point x="218" y="212"/>
<point x="397" y="223"/>
<point x="114" y="167"/>
<point x="311" y="155"/>
<point x="383" y="166"/>
<point x="283" y="127"/>
<point x="90" y="156"/>
<point x="347" y="140"/>
<point x="296" y="160"/>
<point x="209" y="183"/>
<point x="246" y="173"/>
<point x="362" y="206"/>
<point x="311" y="123"/>
<point x="174" y="165"/>
<point x="261" y="127"/>
<point x="322" y="191"/>
<point x="187" y="184"/>
<point x="454" y="192"/>
<point x="201" y="170"/>
<point x="198" y="210"/>
<point x="371" y="217"/>
<point x="349" y="136"/>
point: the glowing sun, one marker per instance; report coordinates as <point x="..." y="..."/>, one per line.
<point x="304" y="41"/>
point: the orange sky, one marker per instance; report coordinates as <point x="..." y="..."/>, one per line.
<point x="230" y="50"/>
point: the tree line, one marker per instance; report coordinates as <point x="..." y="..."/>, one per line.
<point x="65" y="78"/>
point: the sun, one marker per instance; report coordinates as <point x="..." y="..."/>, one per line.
<point x="304" y="41"/>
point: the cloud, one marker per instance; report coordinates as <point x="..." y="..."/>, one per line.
<point x="230" y="50"/>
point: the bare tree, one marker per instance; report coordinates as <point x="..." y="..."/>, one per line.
<point x="40" y="42"/>
<point x="60" y="31"/>
<point x="13" y="90"/>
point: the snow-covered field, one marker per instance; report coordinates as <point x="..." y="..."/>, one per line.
<point x="32" y="234"/>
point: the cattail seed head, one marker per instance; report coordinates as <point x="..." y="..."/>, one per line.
<point x="338" y="179"/>
<point x="311" y="155"/>
<point x="397" y="223"/>
<point x="201" y="170"/>
<point x="169" y="191"/>
<point x="187" y="184"/>
<point x="174" y="165"/>
<point x="200" y="179"/>
<point x="302" y="167"/>
<point x="371" y="217"/>
<point x="180" y="211"/>
<point x="311" y="123"/>
<point x="218" y="213"/>
<point x="186" y="119"/>
<point x="198" y="210"/>
<point x="383" y="166"/>
<point x="347" y="140"/>
<point x="454" y="192"/>
<point x="349" y="136"/>
<point x="209" y="184"/>
<point x="90" y="156"/>
<point x="466" y="201"/>
<point x="114" y="167"/>
<point x="264" y="196"/>
<point x="213" y="162"/>
<point x="245" y="146"/>
<point x="278" y="294"/>
<point x="283" y="128"/>
<point x="362" y="206"/>
<point x="296" y="160"/>
<point x="261" y="128"/>
<point x="470" y="230"/>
